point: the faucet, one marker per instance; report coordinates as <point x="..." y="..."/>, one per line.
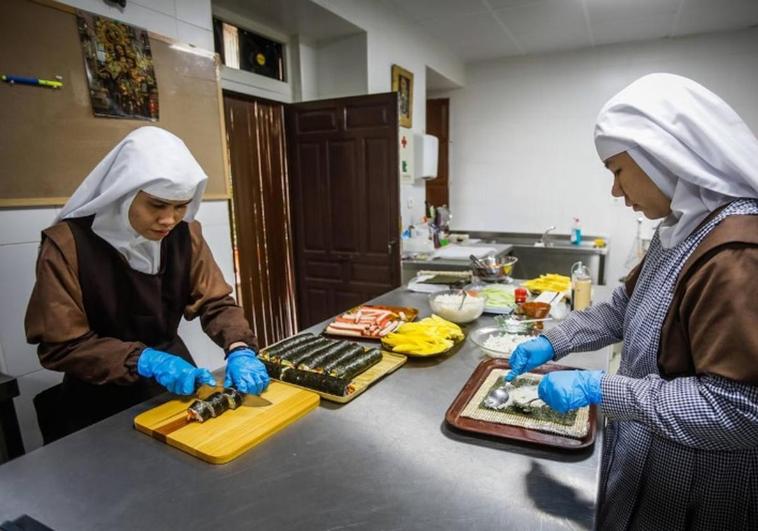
<point x="542" y="242"/>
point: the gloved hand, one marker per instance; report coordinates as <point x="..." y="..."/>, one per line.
<point x="529" y="355"/>
<point x="172" y="372"/>
<point x="246" y="372"/>
<point x="567" y="390"/>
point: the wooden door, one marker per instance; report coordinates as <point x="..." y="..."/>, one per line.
<point x="438" y="124"/>
<point x="344" y="186"/>
<point x="261" y="215"/>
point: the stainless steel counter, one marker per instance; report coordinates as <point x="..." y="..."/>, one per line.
<point x="384" y="461"/>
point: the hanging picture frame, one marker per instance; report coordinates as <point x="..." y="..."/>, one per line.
<point x="402" y="83"/>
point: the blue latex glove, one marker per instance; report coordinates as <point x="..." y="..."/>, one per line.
<point x="567" y="390"/>
<point x="528" y="356"/>
<point x="246" y="372"/>
<point x="172" y="372"/>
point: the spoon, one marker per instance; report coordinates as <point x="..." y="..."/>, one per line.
<point x="463" y="299"/>
<point x="498" y="397"/>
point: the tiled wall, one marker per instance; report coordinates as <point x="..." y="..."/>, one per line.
<point x="19" y="242"/>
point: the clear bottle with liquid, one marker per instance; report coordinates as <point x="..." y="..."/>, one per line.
<point x="581" y="286"/>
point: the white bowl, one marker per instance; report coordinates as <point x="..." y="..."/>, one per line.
<point x="446" y="304"/>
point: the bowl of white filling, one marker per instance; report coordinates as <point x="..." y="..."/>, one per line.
<point x="495" y="342"/>
<point x="457" y="306"/>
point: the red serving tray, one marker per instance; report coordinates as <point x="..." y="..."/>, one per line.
<point x="505" y="431"/>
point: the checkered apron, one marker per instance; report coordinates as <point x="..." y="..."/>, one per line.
<point x="649" y="481"/>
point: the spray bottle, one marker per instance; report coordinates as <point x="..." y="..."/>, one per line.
<point x="576" y="232"/>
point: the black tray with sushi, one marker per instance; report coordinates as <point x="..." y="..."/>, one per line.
<point x="337" y="369"/>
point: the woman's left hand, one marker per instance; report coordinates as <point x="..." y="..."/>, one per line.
<point x="567" y="390"/>
<point x="245" y="372"/>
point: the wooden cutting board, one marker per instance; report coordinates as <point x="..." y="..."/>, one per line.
<point x="232" y="433"/>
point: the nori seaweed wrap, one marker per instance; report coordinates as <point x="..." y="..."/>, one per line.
<point x="218" y="403"/>
<point x="274" y="369"/>
<point x="199" y="411"/>
<point x="273" y="352"/>
<point x="351" y="367"/>
<point x="319" y="382"/>
<point x="287" y="358"/>
<point x="336" y="361"/>
<point x="233" y="397"/>
<point x="316" y="360"/>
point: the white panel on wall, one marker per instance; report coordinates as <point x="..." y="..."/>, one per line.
<point x="24" y="225"/>
<point x="191" y="34"/>
<point x="16" y="282"/>
<point x="196" y="12"/>
<point x="158" y="19"/>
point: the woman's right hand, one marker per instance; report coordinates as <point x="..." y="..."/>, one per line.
<point x="528" y="356"/>
<point x="172" y="372"/>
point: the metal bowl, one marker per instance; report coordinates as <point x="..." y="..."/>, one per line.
<point x="491" y="268"/>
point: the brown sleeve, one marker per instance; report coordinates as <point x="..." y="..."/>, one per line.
<point x="56" y="320"/>
<point x="220" y="316"/>
<point x="720" y="314"/>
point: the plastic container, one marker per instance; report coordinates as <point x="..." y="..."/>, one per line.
<point x="581" y="286"/>
<point x="576" y="232"/>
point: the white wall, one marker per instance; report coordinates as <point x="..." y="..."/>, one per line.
<point x="391" y="40"/>
<point x="522" y="156"/>
<point x="341" y="67"/>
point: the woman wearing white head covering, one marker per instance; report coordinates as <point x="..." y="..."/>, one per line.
<point x="115" y="274"/>
<point x="681" y="445"/>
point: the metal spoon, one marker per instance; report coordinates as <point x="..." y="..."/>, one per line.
<point x="463" y="299"/>
<point x="498" y="397"/>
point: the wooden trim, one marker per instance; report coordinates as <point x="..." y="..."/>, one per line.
<point x="26" y="202"/>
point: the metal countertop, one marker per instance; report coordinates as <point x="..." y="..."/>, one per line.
<point x="384" y="461"/>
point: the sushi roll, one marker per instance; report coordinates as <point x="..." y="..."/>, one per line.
<point x="316" y="360"/>
<point x="319" y="382"/>
<point x="352" y="367"/>
<point x="273" y="353"/>
<point x="344" y="356"/>
<point x="218" y="403"/>
<point x="199" y="411"/>
<point x="233" y="397"/>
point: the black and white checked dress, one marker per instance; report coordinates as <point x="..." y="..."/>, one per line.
<point x="680" y="453"/>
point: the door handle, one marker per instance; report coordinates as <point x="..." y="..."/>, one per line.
<point x="390" y="245"/>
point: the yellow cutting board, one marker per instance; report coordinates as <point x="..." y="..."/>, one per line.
<point x="232" y="433"/>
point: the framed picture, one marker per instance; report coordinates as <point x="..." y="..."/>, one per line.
<point x="402" y="83"/>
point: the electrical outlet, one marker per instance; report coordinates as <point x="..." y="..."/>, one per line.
<point x="410" y="203"/>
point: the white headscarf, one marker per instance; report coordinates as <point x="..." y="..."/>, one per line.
<point x="690" y="142"/>
<point x="149" y="159"/>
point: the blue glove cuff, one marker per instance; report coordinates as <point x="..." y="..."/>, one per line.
<point x="240" y="352"/>
<point x="146" y="361"/>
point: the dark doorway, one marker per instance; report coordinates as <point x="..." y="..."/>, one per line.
<point x="343" y="161"/>
<point x="261" y="216"/>
<point x="438" y="124"/>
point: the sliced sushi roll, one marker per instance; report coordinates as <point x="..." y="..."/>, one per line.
<point x="218" y="403"/>
<point x="199" y="411"/>
<point x="350" y="368"/>
<point x="233" y="397"/>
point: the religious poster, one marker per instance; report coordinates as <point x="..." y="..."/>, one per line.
<point x="119" y="68"/>
<point x="402" y="83"/>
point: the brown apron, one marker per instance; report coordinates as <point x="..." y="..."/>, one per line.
<point x="129" y="305"/>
